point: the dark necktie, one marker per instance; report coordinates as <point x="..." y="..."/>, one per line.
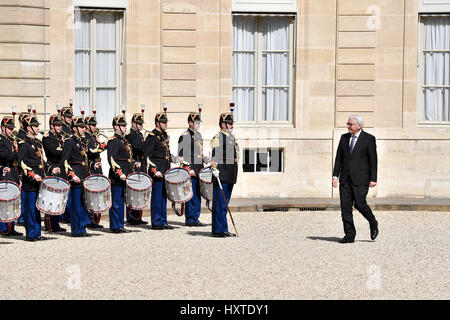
<point x="352" y="144"/>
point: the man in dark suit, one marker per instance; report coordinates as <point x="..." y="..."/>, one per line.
<point x="356" y="167"/>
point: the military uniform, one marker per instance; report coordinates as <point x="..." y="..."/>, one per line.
<point x="157" y="154"/>
<point x="32" y="163"/>
<point x="53" y="144"/>
<point x="190" y="147"/>
<point x="136" y="140"/>
<point x="66" y="133"/>
<point x="76" y="163"/>
<point x="120" y="159"/>
<point x="21" y="134"/>
<point x="94" y="150"/>
<point x="225" y="153"/>
<point x="8" y="158"/>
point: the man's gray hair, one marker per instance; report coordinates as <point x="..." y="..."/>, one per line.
<point x="358" y="119"/>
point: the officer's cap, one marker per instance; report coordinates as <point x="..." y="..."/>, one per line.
<point x="22" y="116"/>
<point x="55" y="120"/>
<point x="161" y="117"/>
<point x="90" y="120"/>
<point x="67" y="112"/>
<point x="194" y="116"/>
<point x="226" y="117"/>
<point x="8" y="122"/>
<point x="119" y="121"/>
<point x="138" y="118"/>
<point x="31" y="121"/>
<point x="78" y="122"/>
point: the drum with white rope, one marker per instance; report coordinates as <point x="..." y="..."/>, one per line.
<point x="53" y="195"/>
<point x="9" y="201"/>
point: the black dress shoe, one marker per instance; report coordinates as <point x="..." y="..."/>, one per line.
<point x="133" y="223"/>
<point x="142" y="222"/>
<point x="374" y="231"/>
<point x="157" y="227"/>
<point x="346" y="240"/>
<point x="168" y="227"/>
<point x="80" y="235"/>
<point x="59" y="229"/>
<point x="219" y="235"/>
<point x="32" y="239"/>
<point x="229" y="234"/>
<point x="195" y="224"/>
<point x="123" y="230"/>
<point x="13" y="233"/>
<point x="115" y="230"/>
<point x="94" y="226"/>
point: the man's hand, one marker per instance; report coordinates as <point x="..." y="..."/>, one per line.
<point x="97" y="165"/>
<point x="192" y="173"/>
<point x="6" y="170"/>
<point x="37" y="178"/>
<point x="76" y="179"/>
<point x="372" y="184"/>
<point x="123" y="177"/>
<point x="137" y="165"/>
<point x="56" y="171"/>
<point x="158" y="174"/>
<point x="334" y="182"/>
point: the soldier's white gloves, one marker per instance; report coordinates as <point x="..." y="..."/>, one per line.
<point x="216" y="173"/>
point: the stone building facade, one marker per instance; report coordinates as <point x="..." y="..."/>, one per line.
<point x="339" y="57"/>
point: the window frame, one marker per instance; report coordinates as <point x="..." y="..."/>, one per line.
<point x="258" y="72"/>
<point x="420" y="72"/>
<point x="119" y="51"/>
<point x="267" y="151"/>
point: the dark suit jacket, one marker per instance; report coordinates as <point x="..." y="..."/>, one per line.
<point x="361" y="165"/>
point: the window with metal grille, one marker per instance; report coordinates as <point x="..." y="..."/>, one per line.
<point x="263" y="160"/>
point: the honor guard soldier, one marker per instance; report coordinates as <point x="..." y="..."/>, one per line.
<point x="21" y="134"/>
<point x="76" y="164"/>
<point x="33" y="171"/>
<point x="53" y="146"/>
<point x="190" y="148"/>
<point x="157" y="154"/>
<point x="225" y="155"/>
<point x="120" y="159"/>
<point x="66" y="117"/>
<point x="8" y="159"/>
<point x="94" y="150"/>
<point x="136" y="140"/>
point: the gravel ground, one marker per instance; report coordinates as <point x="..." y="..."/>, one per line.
<point x="278" y="255"/>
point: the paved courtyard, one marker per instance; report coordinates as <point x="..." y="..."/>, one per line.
<point x="278" y="255"/>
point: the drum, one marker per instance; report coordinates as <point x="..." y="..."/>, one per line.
<point x="9" y="201"/>
<point x="97" y="193"/>
<point x="178" y="185"/>
<point x="53" y="194"/>
<point x="138" y="190"/>
<point x="206" y="186"/>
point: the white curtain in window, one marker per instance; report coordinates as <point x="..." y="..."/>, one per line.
<point x="275" y="68"/>
<point x="105" y="67"/>
<point x="437" y="68"/>
<point x="244" y="67"/>
<point x="82" y="61"/>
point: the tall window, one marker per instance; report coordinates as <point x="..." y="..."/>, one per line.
<point x="97" y="62"/>
<point x="435" y="68"/>
<point x="263" y="68"/>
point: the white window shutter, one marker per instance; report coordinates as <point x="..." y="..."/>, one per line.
<point x="264" y="6"/>
<point x="434" y="6"/>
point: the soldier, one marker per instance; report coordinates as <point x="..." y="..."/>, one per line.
<point x="66" y="116"/>
<point x="120" y="159"/>
<point x="8" y="159"/>
<point x="157" y="153"/>
<point x="136" y="140"/>
<point x="94" y="150"/>
<point x="225" y="153"/>
<point x="53" y="144"/>
<point x="190" y="147"/>
<point x="76" y="164"/>
<point x="33" y="171"/>
<point x="21" y="134"/>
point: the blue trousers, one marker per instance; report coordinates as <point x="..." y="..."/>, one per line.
<point x="134" y="215"/>
<point x="6" y="227"/>
<point x="80" y="216"/>
<point x="193" y="206"/>
<point x="219" y="209"/>
<point x="22" y="207"/>
<point x="158" y="204"/>
<point x="32" y="216"/>
<point x="68" y="212"/>
<point x="116" y="213"/>
<point x="51" y="222"/>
